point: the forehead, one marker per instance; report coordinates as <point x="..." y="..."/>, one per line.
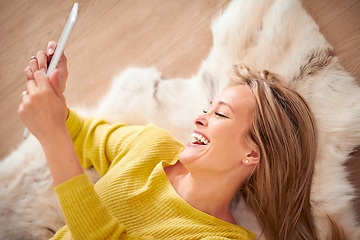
<point x="239" y="97"/>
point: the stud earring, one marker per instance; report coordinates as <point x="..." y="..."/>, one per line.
<point x="247" y="161"/>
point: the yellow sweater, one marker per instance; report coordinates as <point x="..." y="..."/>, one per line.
<point x="133" y="199"/>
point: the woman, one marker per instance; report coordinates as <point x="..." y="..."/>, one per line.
<point x="258" y="138"/>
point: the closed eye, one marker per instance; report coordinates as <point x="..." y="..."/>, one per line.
<point x="221" y="115"/>
<point x="217" y="114"/>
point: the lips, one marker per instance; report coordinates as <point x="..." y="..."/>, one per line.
<point x="200" y="138"/>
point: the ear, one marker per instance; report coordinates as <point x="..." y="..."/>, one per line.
<point x="251" y="158"/>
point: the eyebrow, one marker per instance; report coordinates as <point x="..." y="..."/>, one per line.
<point x="224" y="103"/>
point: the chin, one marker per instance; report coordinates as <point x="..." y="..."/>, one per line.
<point x="192" y="153"/>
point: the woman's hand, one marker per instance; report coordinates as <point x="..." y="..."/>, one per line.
<point x="43" y="108"/>
<point x="41" y="62"/>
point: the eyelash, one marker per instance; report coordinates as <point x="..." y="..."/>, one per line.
<point x="217" y="114"/>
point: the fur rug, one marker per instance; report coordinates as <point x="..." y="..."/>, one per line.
<point x="277" y="35"/>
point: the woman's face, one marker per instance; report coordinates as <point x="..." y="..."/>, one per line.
<point x="219" y="135"/>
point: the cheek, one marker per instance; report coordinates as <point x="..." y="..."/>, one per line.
<point x="229" y="141"/>
<point x="226" y="133"/>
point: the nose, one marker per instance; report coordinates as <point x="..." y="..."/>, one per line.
<point x="201" y="120"/>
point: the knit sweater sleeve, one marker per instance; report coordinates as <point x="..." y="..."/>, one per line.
<point x="101" y="145"/>
<point x="86" y="215"/>
<point x="98" y="143"/>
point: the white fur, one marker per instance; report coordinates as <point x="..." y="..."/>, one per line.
<point x="275" y="35"/>
<point x="28" y="205"/>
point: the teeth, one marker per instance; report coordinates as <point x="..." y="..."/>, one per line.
<point x="200" y="138"/>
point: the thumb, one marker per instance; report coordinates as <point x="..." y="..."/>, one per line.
<point x="55" y="83"/>
<point x="62" y="61"/>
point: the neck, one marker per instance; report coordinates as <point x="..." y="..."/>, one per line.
<point x="209" y="194"/>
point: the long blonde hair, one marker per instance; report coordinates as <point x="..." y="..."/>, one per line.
<point x="284" y="134"/>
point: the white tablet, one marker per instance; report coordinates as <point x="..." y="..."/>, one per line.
<point x="60" y="47"/>
<point x="62" y="41"/>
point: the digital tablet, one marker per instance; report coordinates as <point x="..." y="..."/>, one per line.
<point x="60" y="47"/>
<point x="63" y="38"/>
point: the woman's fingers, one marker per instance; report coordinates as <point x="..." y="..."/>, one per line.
<point x="55" y="83"/>
<point x="41" y="80"/>
<point x="33" y="64"/>
<point x="28" y="73"/>
<point x="62" y="66"/>
<point x="51" y="47"/>
<point x="63" y="60"/>
<point x="42" y="60"/>
<point x="36" y="63"/>
<point x="39" y="85"/>
<point x="43" y="107"/>
<point x="39" y="62"/>
<point x="31" y="86"/>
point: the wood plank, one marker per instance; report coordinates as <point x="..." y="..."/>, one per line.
<point x="325" y="11"/>
<point x="339" y="22"/>
<point x="344" y="34"/>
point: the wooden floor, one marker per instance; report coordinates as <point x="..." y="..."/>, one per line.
<point x="172" y="35"/>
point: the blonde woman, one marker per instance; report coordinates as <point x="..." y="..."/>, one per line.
<point x="257" y="138"/>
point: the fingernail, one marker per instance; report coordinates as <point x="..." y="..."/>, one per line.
<point x="43" y="69"/>
<point x="51" y="51"/>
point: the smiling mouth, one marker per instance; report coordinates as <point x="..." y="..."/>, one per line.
<point x="199" y="139"/>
